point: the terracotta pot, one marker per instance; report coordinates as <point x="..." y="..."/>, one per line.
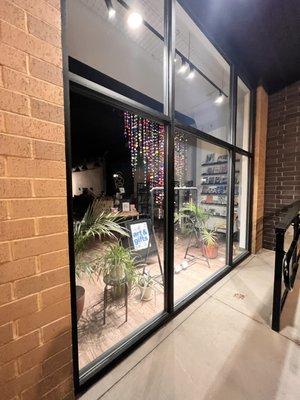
<point x="210" y="251"/>
<point x="80" y="297"/>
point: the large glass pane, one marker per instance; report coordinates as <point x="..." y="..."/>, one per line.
<point x="202" y="80"/>
<point x="240" y="227"/>
<point x="118" y="181"/>
<point x="124" y="41"/>
<point x="200" y="211"/>
<point x="243" y="115"/>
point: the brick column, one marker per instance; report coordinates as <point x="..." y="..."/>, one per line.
<point x="283" y="156"/>
<point x="259" y="168"/>
<point x="35" y="337"/>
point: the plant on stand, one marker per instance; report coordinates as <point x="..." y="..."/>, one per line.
<point x="192" y="219"/>
<point x="118" y="266"/>
<point x="95" y="224"/>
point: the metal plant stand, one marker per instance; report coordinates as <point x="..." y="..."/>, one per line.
<point x="113" y="283"/>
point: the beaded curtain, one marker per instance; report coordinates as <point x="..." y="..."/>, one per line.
<point x="146" y="143"/>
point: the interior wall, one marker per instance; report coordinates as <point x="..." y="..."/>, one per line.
<point x="91" y="179"/>
<point x="283" y="157"/>
<point x="35" y="327"/>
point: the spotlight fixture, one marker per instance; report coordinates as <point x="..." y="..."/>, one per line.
<point x="183" y="68"/>
<point x="191" y="74"/>
<point x="111" y="10"/>
<point x="175" y="59"/>
<point x="219" y="99"/>
<point x="134" y="20"/>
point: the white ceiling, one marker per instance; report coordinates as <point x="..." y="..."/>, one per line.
<point x="191" y="96"/>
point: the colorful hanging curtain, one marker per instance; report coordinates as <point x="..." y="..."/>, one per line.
<point x="146" y="143"/>
<point x="180" y="157"/>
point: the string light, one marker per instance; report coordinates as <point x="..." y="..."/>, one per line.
<point x="146" y="143"/>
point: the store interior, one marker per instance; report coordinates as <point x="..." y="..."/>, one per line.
<point x="118" y="168"/>
<point x="118" y="164"/>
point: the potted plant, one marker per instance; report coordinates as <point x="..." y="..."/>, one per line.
<point x="95" y="224"/>
<point x="118" y="266"/>
<point x="192" y="219"/>
<point x="145" y="282"/>
<point x="210" y="242"/>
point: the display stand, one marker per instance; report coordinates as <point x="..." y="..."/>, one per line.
<point x="193" y="257"/>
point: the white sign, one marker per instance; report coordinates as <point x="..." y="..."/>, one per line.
<point x="140" y="236"/>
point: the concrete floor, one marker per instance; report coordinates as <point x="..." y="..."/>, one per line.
<point x="219" y="348"/>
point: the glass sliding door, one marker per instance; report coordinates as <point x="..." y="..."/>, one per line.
<point x="118" y="218"/>
<point x="200" y="211"/>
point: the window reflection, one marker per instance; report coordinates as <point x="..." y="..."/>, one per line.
<point x="200" y="211"/>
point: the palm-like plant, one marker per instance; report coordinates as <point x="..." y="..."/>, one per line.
<point x="193" y="218"/>
<point x="209" y="237"/>
<point x="95" y="223"/>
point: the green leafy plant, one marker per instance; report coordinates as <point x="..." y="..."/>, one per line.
<point x="209" y="236"/>
<point x="95" y="224"/>
<point x="192" y="218"/>
<point x="145" y="280"/>
<point x="118" y="264"/>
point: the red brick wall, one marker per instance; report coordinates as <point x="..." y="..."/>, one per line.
<point x="283" y="156"/>
<point x="35" y="337"/>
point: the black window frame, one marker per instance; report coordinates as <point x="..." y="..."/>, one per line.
<point x="84" y="85"/>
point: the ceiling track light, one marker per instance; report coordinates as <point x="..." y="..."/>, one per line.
<point x="183" y="68"/>
<point x="219" y="99"/>
<point x="191" y="74"/>
<point x="111" y="10"/>
<point x="134" y="20"/>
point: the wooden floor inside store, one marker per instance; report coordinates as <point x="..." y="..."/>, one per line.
<point x="95" y="337"/>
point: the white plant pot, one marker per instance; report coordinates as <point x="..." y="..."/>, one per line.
<point x="146" y="293"/>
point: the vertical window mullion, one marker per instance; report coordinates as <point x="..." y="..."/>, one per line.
<point x="169" y="70"/>
<point x="231" y="167"/>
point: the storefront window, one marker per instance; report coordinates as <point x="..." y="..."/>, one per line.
<point x="202" y="82"/>
<point x="243" y="115"/>
<point x="124" y="42"/>
<point x="200" y="211"/>
<point x="123" y="236"/>
<point x="118" y="214"/>
<point x="240" y="226"/>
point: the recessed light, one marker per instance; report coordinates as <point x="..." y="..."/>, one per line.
<point x="134" y="20"/>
